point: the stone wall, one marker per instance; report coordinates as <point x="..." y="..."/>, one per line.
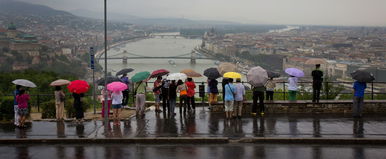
<point x="376" y="106"/>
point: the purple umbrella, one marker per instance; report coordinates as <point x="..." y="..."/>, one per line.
<point x="294" y="72"/>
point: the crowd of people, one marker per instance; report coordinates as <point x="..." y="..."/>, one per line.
<point x="168" y="92"/>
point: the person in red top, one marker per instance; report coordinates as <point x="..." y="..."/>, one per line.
<point x="191" y="86"/>
<point x="22" y="100"/>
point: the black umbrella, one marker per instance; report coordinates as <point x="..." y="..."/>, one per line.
<point x="110" y="79"/>
<point x="212" y="73"/>
<point x="124" y="71"/>
<point x="362" y="76"/>
<point x="273" y="74"/>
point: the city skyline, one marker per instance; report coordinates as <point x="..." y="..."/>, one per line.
<point x="299" y="12"/>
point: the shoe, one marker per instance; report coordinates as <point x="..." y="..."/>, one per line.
<point x="253" y="114"/>
<point x="262" y="113"/>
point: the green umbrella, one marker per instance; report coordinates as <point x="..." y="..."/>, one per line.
<point x="140" y="76"/>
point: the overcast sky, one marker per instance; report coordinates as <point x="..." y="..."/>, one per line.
<point x="314" y="12"/>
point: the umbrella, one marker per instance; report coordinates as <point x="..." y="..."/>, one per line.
<point x="226" y="67"/>
<point x="78" y="86"/>
<point x="257" y="76"/>
<point x="60" y="82"/>
<point x="140" y="76"/>
<point x="315" y="61"/>
<point x="212" y="73"/>
<point x="124" y="71"/>
<point x="110" y="79"/>
<point x="24" y="82"/>
<point x="177" y="76"/>
<point x="362" y="76"/>
<point x="159" y="72"/>
<point x="294" y="72"/>
<point x="273" y="74"/>
<point x="116" y="86"/>
<point x="232" y="75"/>
<point x="191" y="73"/>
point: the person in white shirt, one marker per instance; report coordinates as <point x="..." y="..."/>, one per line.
<point x="292" y="88"/>
<point x="239" y="98"/>
<point x="117" y="105"/>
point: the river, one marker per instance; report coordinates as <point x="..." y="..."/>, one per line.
<point x="157" y="46"/>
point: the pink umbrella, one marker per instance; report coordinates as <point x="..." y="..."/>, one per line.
<point x="116" y="86"/>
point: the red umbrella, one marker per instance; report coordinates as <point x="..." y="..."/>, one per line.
<point x="159" y="72"/>
<point x="78" y="86"/>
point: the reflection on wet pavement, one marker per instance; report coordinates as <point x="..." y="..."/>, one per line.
<point x="203" y="123"/>
<point x="186" y="151"/>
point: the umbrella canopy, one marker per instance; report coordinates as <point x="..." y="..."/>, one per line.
<point x="78" y="86"/>
<point x="212" y="73"/>
<point x="257" y="76"/>
<point x="116" y="86"/>
<point x="226" y="67"/>
<point x="124" y="71"/>
<point x="140" y="76"/>
<point x="101" y="82"/>
<point x="191" y="73"/>
<point x="232" y="75"/>
<point x="159" y="72"/>
<point x="362" y="76"/>
<point x="294" y="72"/>
<point x="24" y="82"/>
<point x="177" y="76"/>
<point x="315" y="61"/>
<point x="273" y="74"/>
<point x="60" y="82"/>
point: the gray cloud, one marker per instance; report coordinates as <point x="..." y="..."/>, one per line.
<point x="317" y="12"/>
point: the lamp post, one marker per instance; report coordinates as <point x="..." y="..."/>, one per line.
<point x="106" y="113"/>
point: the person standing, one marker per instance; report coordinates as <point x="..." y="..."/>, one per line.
<point x="140" y="98"/>
<point x="191" y="100"/>
<point x="157" y="92"/>
<point x="213" y="91"/>
<point x="109" y="101"/>
<point x="15" y="105"/>
<point x="79" y="114"/>
<point x="125" y="92"/>
<point x="117" y="105"/>
<point x="258" y="94"/>
<point x="230" y="91"/>
<point x="59" y="103"/>
<point x="165" y="96"/>
<point x="317" y="79"/>
<point x="172" y="97"/>
<point x="22" y="100"/>
<point x="270" y="86"/>
<point x="359" y="92"/>
<point x="239" y="98"/>
<point x="292" y="88"/>
<point x="183" y="95"/>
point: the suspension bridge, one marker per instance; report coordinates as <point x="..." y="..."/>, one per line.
<point x="125" y="55"/>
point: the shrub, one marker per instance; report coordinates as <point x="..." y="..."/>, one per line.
<point x="6" y="108"/>
<point x="48" y="109"/>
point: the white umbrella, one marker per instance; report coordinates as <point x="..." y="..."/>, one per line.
<point x="24" y="82"/>
<point x="177" y="76"/>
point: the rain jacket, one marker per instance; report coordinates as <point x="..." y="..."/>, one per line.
<point x="191" y="86"/>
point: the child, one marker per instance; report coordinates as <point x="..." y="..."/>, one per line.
<point x="22" y="101"/>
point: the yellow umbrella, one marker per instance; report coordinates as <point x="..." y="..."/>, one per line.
<point x="232" y="75"/>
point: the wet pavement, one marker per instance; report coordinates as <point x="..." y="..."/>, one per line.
<point x="203" y="123"/>
<point x="229" y="151"/>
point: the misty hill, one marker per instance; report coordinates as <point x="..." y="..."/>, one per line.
<point x="23" y="8"/>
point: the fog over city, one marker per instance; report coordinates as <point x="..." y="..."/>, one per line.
<point x="307" y="12"/>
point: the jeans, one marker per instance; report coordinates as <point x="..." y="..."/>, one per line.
<point x="172" y="102"/>
<point x="125" y="99"/>
<point x="357" y="106"/>
<point x="269" y="95"/>
<point x="191" y="103"/>
<point x="183" y="103"/>
<point x="258" y="95"/>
